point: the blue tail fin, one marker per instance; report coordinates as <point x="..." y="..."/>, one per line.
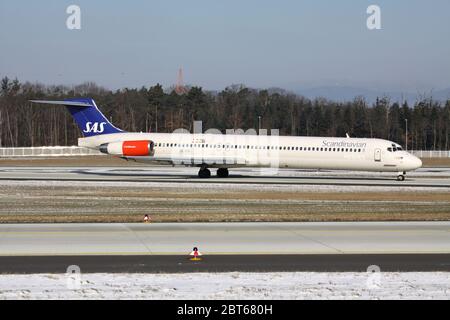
<point x="88" y="117"/>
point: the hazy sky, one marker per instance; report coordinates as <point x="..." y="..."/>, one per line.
<point x="288" y="44"/>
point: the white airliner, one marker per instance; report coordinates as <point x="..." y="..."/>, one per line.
<point x="205" y="150"/>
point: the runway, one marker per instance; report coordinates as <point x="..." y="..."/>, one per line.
<point x="165" y="247"/>
<point x="227" y="263"/>
<point x="424" y="177"/>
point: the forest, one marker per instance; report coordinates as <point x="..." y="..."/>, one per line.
<point x="158" y="109"/>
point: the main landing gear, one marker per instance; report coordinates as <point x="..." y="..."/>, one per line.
<point x="222" y="172"/>
<point x="204" y="173"/>
<point x="401" y="176"/>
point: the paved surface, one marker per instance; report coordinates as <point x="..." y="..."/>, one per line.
<point x="226" y="263"/>
<point x="424" y="177"/>
<point x="257" y="247"/>
<point x="225" y="238"/>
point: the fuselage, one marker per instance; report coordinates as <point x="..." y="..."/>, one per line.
<point x="233" y="150"/>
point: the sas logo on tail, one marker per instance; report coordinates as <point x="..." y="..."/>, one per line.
<point x="94" y="127"/>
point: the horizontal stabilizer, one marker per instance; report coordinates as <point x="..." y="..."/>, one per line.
<point x="64" y="103"/>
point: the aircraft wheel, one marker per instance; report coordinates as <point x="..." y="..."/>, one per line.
<point x="222" y="172"/>
<point x="204" y="173"/>
<point x="400" y="177"/>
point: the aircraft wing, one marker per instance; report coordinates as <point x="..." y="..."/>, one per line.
<point x="211" y="161"/>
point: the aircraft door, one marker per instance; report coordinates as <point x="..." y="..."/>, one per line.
<point x="377" y="155"/>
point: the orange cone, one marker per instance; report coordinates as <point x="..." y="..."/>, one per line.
<point x="195" y="255"/>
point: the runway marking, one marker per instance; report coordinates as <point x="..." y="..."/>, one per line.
<point x="225" y="253"/>
<point x="366" y="232"/>
<point x="310" y="239"/>
<point x="138" y="238"/>
<point x="343" y="183"/>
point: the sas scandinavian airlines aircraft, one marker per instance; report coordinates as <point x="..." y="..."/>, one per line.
<point x="206" y="150"/>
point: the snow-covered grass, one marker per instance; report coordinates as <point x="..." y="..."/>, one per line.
<point x="235" y="285"/>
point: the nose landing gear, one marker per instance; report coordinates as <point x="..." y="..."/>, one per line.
<point x="401" y="176"/>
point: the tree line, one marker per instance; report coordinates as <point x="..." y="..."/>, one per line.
<point x="155" y="109"/>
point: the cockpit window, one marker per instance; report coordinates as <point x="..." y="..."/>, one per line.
<point x="394" y="148"/>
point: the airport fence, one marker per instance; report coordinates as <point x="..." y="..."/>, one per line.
<point x="431" y="153"/>
<point x="57" y="151"/>
<point x="68" y="151"/>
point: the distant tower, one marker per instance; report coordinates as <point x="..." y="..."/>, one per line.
<point x="179" y="87"/>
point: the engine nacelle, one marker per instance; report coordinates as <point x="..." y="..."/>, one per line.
<point x="137" y="148"/>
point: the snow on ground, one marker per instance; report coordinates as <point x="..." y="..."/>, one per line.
<point x="235" y="285"/>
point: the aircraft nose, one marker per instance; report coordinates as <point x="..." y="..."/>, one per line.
<point x="415" y="162"/>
